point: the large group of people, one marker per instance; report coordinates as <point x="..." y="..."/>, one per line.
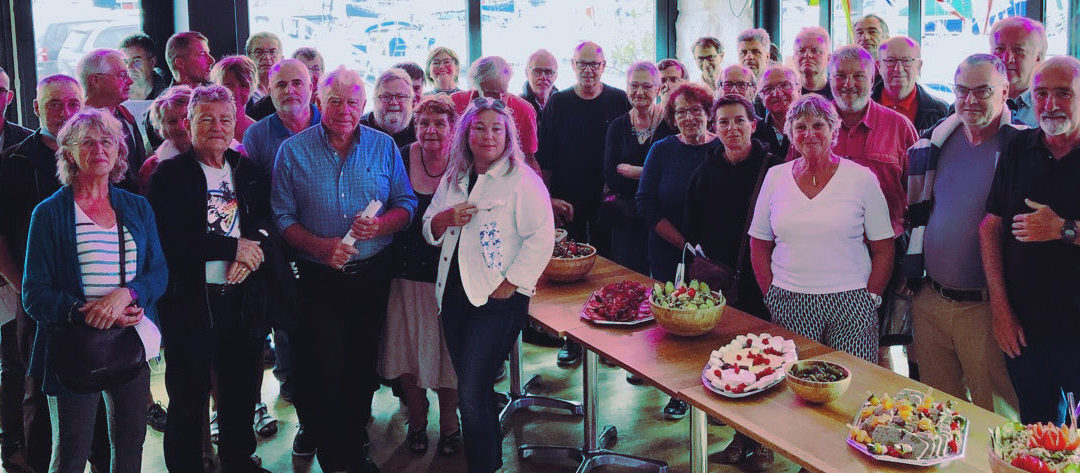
<point x="256" y="199"/>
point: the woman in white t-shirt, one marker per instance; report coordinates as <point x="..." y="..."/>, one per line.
<point x="821" y="242"/>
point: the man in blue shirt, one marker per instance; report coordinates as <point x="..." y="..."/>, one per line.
<point x="1020" y="43"/>
<point x="324" y="178"/>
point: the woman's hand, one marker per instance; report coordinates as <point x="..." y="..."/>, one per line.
<point x="629" y="171"/>
<point x="237" y="272"/>
<point x="133" y="314"/>
<point x="103" y="313"/>
<point x="505" y="290"/>
<point x="249" y="252"/>
<point x="460" y="214"/>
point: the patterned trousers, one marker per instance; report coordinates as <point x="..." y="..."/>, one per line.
<point x="845" y="320"/>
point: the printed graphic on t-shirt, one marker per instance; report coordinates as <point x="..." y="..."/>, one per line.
<point x="221" y="206"/>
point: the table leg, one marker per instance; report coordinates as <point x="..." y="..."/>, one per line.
<point x="699" y="441"/>
<point x="520" y="398"/>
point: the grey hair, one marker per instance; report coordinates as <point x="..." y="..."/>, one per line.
<point x="210" y="94"/>
<point x="755" y="34"/>
<point x="72" y="133"/>
<point x="488" y="68"/>
<point x="541" y="53"/>
<point x="1029" y="25"/>
<point x="343" y="76"/>
<point x="746" y="70"/>
<point x="790" y="73"/>
<point x="393" y="73"/>
<point x="431" y="57"/>
<point x="461" y="156"/>
<point x="309" y="53"/>
<point x="707" y="42"/>
<point x="242" y="67"/>
<point x="881" y="21"/>
<point x="816" y="30"/>
<point x="814" y="106"/>
<point x="94" y="62"/>
<point x="180" y="44"/>
<point x="262" y="35"/>
<point x="57" y="79"/>
<point x="978" y="59"/>
<point x="852" y="51"/>
<point x="174" y="97"/>
<point x="646" y="66"/>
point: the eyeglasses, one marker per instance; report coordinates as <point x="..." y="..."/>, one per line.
<point x="981" y="93"/>
<point x="443" y="62"/>
<point x="783" y="86"/>
<point x="641" y="85"/>
<point x="4" y="90"/>
<point x="708" y="58"/>
<point x="265" y="52"/>
<point x="736" y="85"/>
<point x="893" y="61"/>
<point x="122" y="75"/>
<point x="542" y="72"/>
<point x="104" y="143"/>
<point x="589" y="65"/>
<point x="692" y="111"/>
<point x="483" y="102"/>
<point x="136" y="62"/>
<point x="387" y="98"/>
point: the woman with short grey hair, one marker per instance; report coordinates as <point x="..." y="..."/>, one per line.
<point x="442" y="69"/>
<point x="490" y="77"/>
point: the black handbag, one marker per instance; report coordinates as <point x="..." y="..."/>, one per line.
<point x="88" y="360"/>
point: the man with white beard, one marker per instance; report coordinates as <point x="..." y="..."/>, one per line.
<point x="393" y="107"/>
<point x="1030" y="248"/>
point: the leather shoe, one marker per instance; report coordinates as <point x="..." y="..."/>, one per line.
<point x="364" y="465"/>
<point x="675" y="409"/>
<point x="303" y="445"/>
<point x="734" y="452"/>
<point x="569" y="354"/>
<point x="760" y="458"/>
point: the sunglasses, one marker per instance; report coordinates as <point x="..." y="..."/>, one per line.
<point x="483" y="102"/>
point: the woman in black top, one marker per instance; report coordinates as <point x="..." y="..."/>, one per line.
<point x="629" y="138"/>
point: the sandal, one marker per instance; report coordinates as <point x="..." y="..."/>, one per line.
<point x="265" y="425"/>
<point x="450" y="444"/>
<point x="416" y="441"/>
<point x="214" y="432"/>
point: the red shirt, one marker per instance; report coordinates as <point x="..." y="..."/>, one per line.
<point x="880" y="142"/>
<point x="523" y="112"/>
<point x="906" y="107"/>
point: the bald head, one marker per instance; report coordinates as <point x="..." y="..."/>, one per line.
<point x="900" y="63"/>
<point x="812" y="50"/>
<point x="290" y="86"/>
<point x="737" y="80"/>
<point x="589" y="67"/>
<point x="590" y="48"/>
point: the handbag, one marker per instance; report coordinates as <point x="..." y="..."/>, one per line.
<point x="88" y="360"/>
<point x="719" y="275"/>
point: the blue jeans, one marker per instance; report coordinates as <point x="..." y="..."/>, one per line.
<point x="1039" y="375"/>
<point x="479" y="339"/>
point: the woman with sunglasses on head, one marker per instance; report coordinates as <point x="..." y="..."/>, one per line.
<point x="492" y="217"/>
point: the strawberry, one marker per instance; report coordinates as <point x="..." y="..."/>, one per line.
<point x="953" y="447"/>
<point x="717" y="373"/>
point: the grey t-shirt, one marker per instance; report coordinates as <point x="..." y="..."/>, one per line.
<point x="962" y="183"/>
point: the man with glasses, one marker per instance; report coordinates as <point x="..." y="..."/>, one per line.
<point x="142" y="67"/>
<point x="951" y="311"/>
<point x="573" y="129"/>
<point x="393" y="107"/>
<point x="741" y="81"/>
<point x="542" y="69"/>
<point x="900" y="62"/>
<point x="779" y="89"/>
<point x="1030" y="248"/>
<point x="105" y="79"/>
<point x="812" y="49"/>
<point x="709" y="55"/>
<point x="265" y="49"/>
<point x="1020" y="43"/>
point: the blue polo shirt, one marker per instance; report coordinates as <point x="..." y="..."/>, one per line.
<point x="261" y="140"/>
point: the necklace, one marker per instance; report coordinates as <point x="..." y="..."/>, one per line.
<point x="644" y="134"/>
<point x="423" y="164"/>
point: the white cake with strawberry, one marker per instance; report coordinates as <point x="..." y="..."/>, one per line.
<point x="750" y="363"/>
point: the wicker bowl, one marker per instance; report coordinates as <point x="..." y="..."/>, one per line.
<point x="997" y="465"/>
<point x="688" y="322"/>
<point x="571" y="269"/>
<point x="816" y="391"/>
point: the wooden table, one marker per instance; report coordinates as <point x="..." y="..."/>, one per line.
<point x="557" y="306"/>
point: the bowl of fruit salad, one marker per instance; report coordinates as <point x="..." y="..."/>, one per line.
<point x="570" y="261"/>
<point x="818" y="381"/>
<point x="686" y="309"/>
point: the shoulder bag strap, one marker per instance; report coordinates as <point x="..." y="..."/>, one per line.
<point x="123" y="252"/>
<point x="749" y="216"/>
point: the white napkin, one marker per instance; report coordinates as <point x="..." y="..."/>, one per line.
<point x="151" y="337"/>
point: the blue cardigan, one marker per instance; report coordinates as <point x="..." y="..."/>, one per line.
<point x="52" y="282"/>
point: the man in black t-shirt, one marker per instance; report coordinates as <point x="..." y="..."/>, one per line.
<point x="1031" y="251"/>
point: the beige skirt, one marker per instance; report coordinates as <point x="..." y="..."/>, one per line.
<point x="413" y="341"/>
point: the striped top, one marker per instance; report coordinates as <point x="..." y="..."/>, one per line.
<point x="99" y="256"/>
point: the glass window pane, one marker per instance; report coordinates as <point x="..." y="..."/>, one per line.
<point x="953" y="30"/>
<point x="1057" y="27"/>
<point x="513" y="29"/>
<point x="794" y="16"/>
<point x="64" y="31"/>
<point x="369" y="36"/>
<point x="895" y="13"/>
<point x="699" y="18"/>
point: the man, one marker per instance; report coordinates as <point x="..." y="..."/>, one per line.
<point x="265" y="49"/>
<point x="105" y="79"/>
<point x="900" y="63"/>
<point x="779" y="89"/>
<point x="313" y="60"/>
<point x="322" y="184"/>
<point x="393" y="107"/>
<point x="812" y="47"/>
<point x="188" y="56"/>
<point x="490" y="77"/>
<point x="709" y="55"/>
<point x="951" y="312"/>
<point x="210" y="206"/>
<point x="573" y="127"/>
<point x="1020" y="43"/>
<point x="1030" y="249"/>
<point x="753" y="48"/>
<point x="870" y="31"/>
<point x="141" y="60"/>
<point x="740" y="80"/>
<point x="542" y="69"/>
<point x="28" y="176"/>
<point x="10" y="133"/>
<point x="416" y="75"/>
<point x="671" y="73"/>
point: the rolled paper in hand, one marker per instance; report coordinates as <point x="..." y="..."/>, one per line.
<point x="369" y="212"/>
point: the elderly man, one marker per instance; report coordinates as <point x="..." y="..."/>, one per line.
<point x="779" y="89"/>
<point x="870" y="32"/>
<point x="709" y="55"/>
<point x="490" y="77"/>
<point x="394" y="101"/>
<point x="573" y="127"/>
<point x="541" y="70"/>
<point x="1030" y="249"/>
<point x="10" y="133"/>
<point x="324" y="178"/>
<point x="812" y="49"/>
<point x="671" y="73"/>
<point x="213" y="218"/>
<point x="741" y="81"/>
<point x="313" y="60"/>
<point x="141" y="60"/>
<point x="900" y="63"/>
<point x="1020" y="43"/>
<point x="951" y="172"/>
<point x="754" y="45"/>
<point x="28" y="176"/>
<point x="105" y="79"/>
<point x="265" y="49"/>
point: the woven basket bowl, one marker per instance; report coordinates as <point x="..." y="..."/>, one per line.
<point x="815" y="391"/>
<point x="571" y="269"/>
<point x="688" y="323"/>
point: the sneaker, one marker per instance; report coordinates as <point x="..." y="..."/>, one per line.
<point x="501" y="375"/>
<point x="501" y="400"/>
<point x="569" y="354"/>
<point x="303" y="445"/>
<point x="156" y="415"/>
<point x="675" y="409"/>
<point x="265" y="425"/>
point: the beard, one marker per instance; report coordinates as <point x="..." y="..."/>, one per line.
<point x="1055" y="125"/>
<point x="855" y="106"/>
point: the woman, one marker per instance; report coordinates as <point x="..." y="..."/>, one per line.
<point x="629" y="138"/>
<point x="73" y="272"/>
<point x="499" y="211"/>
<point x="237" y="73"/>
<point x="443" y="67"/>
<point x="718" y="205"/>
<point x="821" y="242"/>
<point x="168" y="113"/>
<point x="414" y="349"/>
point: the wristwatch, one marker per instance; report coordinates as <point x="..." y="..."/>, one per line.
<point x="876" y="299"/>
<point x="1068" y="231"/>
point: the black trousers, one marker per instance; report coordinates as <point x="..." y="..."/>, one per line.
<point x="336" y="347"/>
<point x="236" y="360"/>
<point x="1043" y="371"/>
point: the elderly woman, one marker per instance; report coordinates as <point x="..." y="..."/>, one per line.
<point x="821" y="242"/>
<point x="213" y="207"/>
<point x="77" y="273"/>
<point x="167" y="114"/>
<point x="490" y="77"/>
<point x="237" y="73"/>
<point x="629" y="138"/>
<point x="414" y="349"/>
<point x="492" y="217"/>
<point x="442" y="70"/>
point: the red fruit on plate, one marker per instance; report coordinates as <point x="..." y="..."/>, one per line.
<point x="765" y="341"/>
<point x="1031" y="464"/>
<point x="953" y="447"/>
<point x="716" y="373"/>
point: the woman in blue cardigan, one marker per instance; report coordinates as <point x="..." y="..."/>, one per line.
<point x="73" y="273"/>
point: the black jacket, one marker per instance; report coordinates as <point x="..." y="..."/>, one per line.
<point x="929" y="109"/>
<point x="27" y="177"/>
<point x="14" y="134"/>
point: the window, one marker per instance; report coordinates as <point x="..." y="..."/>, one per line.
<point x="794" y="16"/>
<point x="369" y="36"/>
<point x="1057" y="27"/>
<point x="724" y="21"/>
<point x="895" y="13"/>
<point x="65" y="31"/>
<point x="513" y="29"/>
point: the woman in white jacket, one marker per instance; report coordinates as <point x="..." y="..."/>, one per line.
<point x="492" y="217"/>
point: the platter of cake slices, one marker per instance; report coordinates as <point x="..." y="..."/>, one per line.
<point x="750" y="364"/>
<point x="909" y="427"/>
